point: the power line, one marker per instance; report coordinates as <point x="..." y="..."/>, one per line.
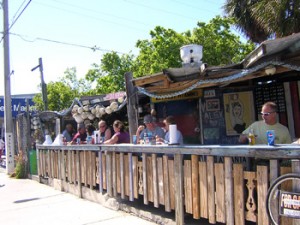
<point x="94" y="48"/>
<point x="7" y="31"/>
<point x="18" y="10"/>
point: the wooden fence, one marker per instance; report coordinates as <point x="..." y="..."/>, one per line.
<point x="226" y="184"/>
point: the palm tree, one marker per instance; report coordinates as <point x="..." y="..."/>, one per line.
<point x="261" y="19"/>
<point x="241" y="10"/>
<point x="279" y="17"/>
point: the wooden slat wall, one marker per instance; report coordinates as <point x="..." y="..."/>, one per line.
<point x="215" y="191"/>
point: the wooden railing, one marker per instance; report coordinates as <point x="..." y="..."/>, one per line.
<point x="226" y="184"/>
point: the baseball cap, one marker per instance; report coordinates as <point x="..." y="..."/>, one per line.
<point x="148" y="119"/>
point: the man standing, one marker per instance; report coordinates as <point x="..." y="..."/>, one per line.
<point x="269" y="122"/>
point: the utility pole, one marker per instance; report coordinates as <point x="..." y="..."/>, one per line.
<point x="9" y="137"/>
<point x="43" y="84"/>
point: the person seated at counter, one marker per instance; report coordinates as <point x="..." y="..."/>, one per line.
<point x="269" y="122"/>
<point x="104" y="130"/>
<point x="167" y="122"/>
<point x="81" y="134"/>
<point x="68" y="133"/>
<point x="150" y="129"/>
<point x="120" y="136"/>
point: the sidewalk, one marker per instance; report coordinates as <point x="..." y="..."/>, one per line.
<point x="24" y="201"/>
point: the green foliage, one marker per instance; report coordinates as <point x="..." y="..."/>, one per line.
<point x="109" y="75"/>
<point x="61" y="93"/>
<point x="20" y="170"/>
<point x="262" y="19"/>
<point x="220" y="45"/>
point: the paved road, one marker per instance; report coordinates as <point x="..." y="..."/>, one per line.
<point x="24" y="201"/>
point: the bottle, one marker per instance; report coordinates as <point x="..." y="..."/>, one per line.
<point x="146" y="140"/>
<point x="251" y="137"/>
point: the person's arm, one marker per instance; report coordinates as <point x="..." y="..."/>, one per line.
<point x="243" y="138"/>
<point x="113" y="140"/>
<point x="139" y="131"/>
<point x="107" y="134"/>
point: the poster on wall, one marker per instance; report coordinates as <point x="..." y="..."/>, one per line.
<point x="239" y="111"/>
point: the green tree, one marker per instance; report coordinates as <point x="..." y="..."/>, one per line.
<point x="262" y="19"/>
<point x="220" y="45"/>
<point x="109" y="75"/>
<point x="61" y="93"/>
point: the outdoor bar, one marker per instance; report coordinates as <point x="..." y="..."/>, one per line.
<point x="215" y="182"/>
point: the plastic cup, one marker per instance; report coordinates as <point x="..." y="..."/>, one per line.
<point x="134" y="139"/>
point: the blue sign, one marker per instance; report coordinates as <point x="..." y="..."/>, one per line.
<point x="18" y="105"/>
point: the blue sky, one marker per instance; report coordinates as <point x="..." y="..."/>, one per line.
<point x="62" y="32"/>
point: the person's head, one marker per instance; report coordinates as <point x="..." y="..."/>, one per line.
<point x="69" y="127"/>
<point x="118" y="126"/>
<point x="168" y="121"/>
<point x="269" y="113"/>
<point x="102" y="126"/>
<point x="90" y="129"/>
<point x="81" y="128"/>
<point x="149" y="122"/>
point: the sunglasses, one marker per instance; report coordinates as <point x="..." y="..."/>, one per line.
<point x="266" y="114"/>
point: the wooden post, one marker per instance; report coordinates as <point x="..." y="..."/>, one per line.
<point x="132" y="104"/>
<point x="78" y="166"/>
<point x="179" y="197"/>
<point x="229" y="191"/>
<point x="100" y="171"/>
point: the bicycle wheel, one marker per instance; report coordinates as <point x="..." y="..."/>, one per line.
<point x="282" y="183"/>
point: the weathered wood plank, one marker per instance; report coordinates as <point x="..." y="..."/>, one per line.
<point x="126" y="170"/>
<point x="167" y="199"/>
<point x="114" y="174"/>
<point x="122" y="174"/>
<point x="251" y="204"/>
<point x="150" y="178"/>
<point x="100" y="168"/>
<point x="239" y="188"/>
<point x="109" y="173"/>
<point x="229" y="210"/>
<point x="172" y="182"/>
<point x="78" y="168"/>
<point x="145" y="175"/>
<point x="203" y="189"/>
<point x="179" y="199"/>
<point x="288" y="186"/>
<point x="211" y="189"/>
<point x="135" y="176"/>
<point x="187" y="175"/>
<point x="130" y="177"/>
<point x="220" y="192"/>
<point x="195" y="186"/>
<point x="262" y="189"/>
<point x="104" y="171"/>
<point x="155" y="181"/>
<point x="160" y="177"/>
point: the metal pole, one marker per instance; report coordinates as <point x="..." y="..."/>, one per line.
<point x="9" y="137"/>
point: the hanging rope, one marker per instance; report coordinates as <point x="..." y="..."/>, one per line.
<point x="241" y="74"/>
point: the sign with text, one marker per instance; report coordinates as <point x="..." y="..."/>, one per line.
<point x="289" y="204"/>
<point x="18" y="105"/>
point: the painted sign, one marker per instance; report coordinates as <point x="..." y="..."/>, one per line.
<point x="18" y="105"/>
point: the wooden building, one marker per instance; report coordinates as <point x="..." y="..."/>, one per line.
<point x="202" y="99"/>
